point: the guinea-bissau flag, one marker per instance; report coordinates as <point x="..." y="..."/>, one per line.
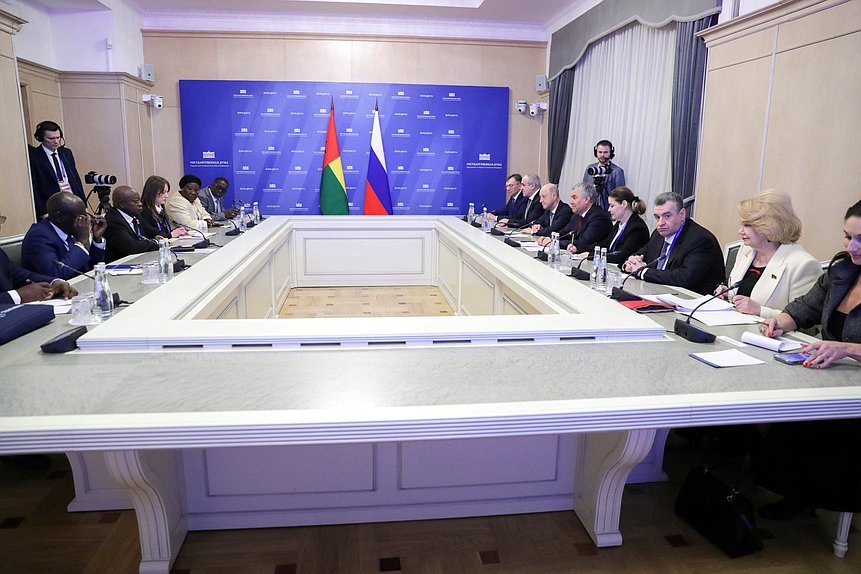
<point x="333" y="192"/>
<point x="378" y="200"/>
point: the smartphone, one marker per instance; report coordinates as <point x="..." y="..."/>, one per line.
<point x="791" y="358"/>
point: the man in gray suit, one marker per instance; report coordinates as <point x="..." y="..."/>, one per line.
<point x="210" y="198"/>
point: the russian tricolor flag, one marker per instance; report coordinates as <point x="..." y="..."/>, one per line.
<point x="378" y="200"/>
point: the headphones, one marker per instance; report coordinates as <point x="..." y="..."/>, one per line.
<point x="46" y="126"/>
<point x="595" y="149"/>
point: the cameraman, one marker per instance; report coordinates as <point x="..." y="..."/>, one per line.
<point x="607" y="175"/>
<point x="52" y="167"/>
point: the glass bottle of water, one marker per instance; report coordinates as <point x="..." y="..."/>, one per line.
<point x="553" y="256"/>
<point x="596" y="260"/>
<point x="602" y="271"/>
<point x="470" y="215"/>
<point x="255" y="213"/>
<point x="242" y="226"/>
<point x="165" y="261"/>
<point x="485" y="221"/>
<point x="103" y="306"/>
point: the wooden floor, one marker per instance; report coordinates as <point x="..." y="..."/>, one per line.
<point x="37" y="535"/>
<point x="386" y="301"/>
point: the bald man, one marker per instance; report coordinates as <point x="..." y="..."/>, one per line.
<point x="67" y="242"/>
<point x="123" y="235"/>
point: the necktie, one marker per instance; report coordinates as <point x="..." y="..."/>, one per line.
<point x="551" y="219"/>
<point x="136" y="226"/>
<point x="70" y="242"/>
<point x="57" y="167"/>
<point x="664" y="250"/>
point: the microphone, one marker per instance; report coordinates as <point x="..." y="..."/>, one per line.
<point x="578" y="273"/>
<point x="692" y="333"/>
<point x="542" y="255"/>
<point x="199" y="244"/>
<point x="248" y="223"/>
<point x="619" y="292"/>
<point x="233" y="232"/>
<point x="116" y="295"/>
<point x="509" y="241"/>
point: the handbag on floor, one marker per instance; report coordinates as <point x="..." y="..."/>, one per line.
<point x="719" y="512"/>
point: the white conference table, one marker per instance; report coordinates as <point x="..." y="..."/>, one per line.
<point x="140" y="408"/>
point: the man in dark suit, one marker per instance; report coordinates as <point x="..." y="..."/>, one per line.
<point x="52" y="167"/>
<point x="514" y="199"/>
<point x="693" y="256"/>
<point x="17" y="285"/>
<point x="556" y="214"/>
<point x="532" y="208"/>
<point x="67" y="235"/>
<point x="590" y="225"/>
<point x="123" y="234"/>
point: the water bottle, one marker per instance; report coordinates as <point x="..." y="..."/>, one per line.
<point x="165" y="261"/>
<point x="470" y="215"/>
<point x="596" y="260"/>
<point x="553" y="256"/>
<point x="255" y="213"/>
<point x="103" y="306"/>
<point x="242" y="226"/>
<point x="485" y="221"/>
<point x="602" y="271"/>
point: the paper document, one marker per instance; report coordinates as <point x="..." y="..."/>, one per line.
<point x="688" y="305"/>
<point x="126" y="271"/>
<point x="728" y="358"/>
<point x="778" y="345"/>
<point x="729" y="317"/>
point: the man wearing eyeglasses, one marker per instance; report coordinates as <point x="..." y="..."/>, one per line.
<point x="18" y="285"/>
<point x="67" y="242"/>
<point x="211" y="200"/>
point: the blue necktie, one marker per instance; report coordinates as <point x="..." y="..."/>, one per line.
<point x="664" y="250"/>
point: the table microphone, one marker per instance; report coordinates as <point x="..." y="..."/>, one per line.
<point x="233" y="232"/>
<point x="619" y="292"/>
<point x="249" y="223"/>
<point x="200" y="244"/>
<point x="116" y="295"/>
<point x="578" y="273"/>
<point x="509" y="241"/>
<point x="542" y="255"/>
<point x="692" y="333"/>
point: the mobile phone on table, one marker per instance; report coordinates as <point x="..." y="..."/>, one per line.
<point x="791" y="358"/>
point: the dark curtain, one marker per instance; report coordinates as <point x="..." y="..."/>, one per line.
<point x="561" y="96"/>
<point x="688" y="80"/>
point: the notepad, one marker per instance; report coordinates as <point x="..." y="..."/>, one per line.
<point x="778" y="345"/>
<point x="728" y="358"/>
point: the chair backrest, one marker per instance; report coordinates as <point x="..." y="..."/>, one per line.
<point x="12" y="247"/>
<point x="825" y="264"/>
<point x="730" y="253"/>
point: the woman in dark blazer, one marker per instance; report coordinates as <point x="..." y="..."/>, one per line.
<point x="153" y="220"/>
<point x="630" y="232"/>
<point x="816" y="464"/>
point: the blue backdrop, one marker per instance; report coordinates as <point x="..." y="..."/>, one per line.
<point x="445" y="145"/>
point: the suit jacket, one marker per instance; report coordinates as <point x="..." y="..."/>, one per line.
<point x="817" y="305"/>
<point x="42" y="247"/>
<point x="12" y="277"/>
<point x="633" y="238"/>
<point x="151" y="225"/>
<point x="513" y="208"/>
<point x="207" y="200"/>
<point x="535" y="211"/>
<point x="44" y="177"/>
<point x="790" y="274"/>
<point x="122" y="239"/>
<point x="695" y="261"/>
<point x="586" y="231"/>
<point x="561" y="218"/>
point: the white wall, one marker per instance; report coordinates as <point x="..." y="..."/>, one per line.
<point x="75" y="39"/>
<point x="744" y="7"/>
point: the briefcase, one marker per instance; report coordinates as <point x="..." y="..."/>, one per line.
<point x="17" y="320"/>
<point x="719" y="512"/>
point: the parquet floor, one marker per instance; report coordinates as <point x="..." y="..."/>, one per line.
<point x="37" y="536"/>
<point x="386" y="301"/>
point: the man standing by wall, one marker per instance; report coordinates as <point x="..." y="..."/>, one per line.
<point x="52" y="167"/>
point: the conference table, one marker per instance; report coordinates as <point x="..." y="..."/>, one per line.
<point x="199" y="409"/>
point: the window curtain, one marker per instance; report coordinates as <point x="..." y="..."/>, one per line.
<point x="561" y="90"/>
<point x="687" y="102"/>
<point x="623" y="91"/>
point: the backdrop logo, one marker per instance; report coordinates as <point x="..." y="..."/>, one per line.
<point x="484" y="157"/>
<point x="208" y="155"/>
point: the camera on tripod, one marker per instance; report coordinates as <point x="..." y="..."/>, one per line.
<point x="598" y="170"/>
<point x="101" y="185"/>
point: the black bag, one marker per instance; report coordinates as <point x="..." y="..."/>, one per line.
<point x="17" y="320"/>
<point x="719" y="512"/>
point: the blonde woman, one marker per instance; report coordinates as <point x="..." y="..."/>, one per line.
<point x="772" y="267"/>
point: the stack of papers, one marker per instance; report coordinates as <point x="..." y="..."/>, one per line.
<point x="778" y="345"/>
<point x="713" y="313"/>
<point x="728" y="358"/>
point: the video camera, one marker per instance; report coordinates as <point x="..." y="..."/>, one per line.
<point x="101" y="185"/>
